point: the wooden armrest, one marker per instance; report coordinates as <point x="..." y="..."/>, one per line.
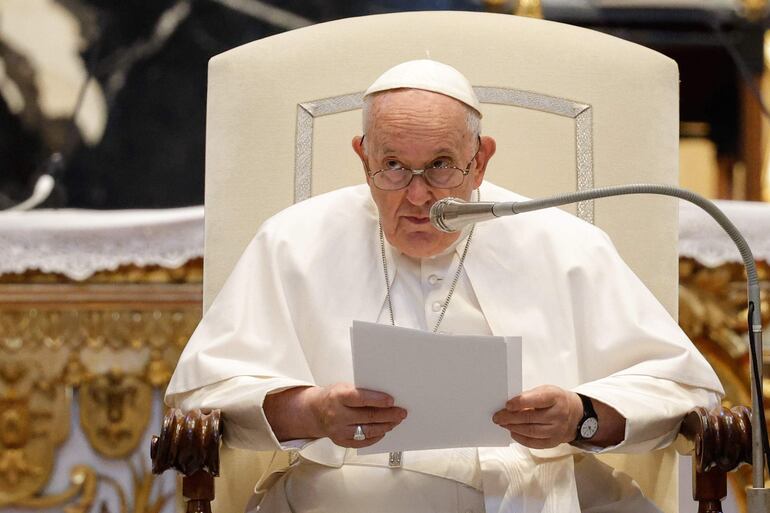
<point x="719" y="441"/>
<point x="189" y="443"/>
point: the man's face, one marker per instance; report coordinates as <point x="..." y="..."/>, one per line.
<point x="414" y="129"/>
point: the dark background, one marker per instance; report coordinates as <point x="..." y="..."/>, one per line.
<point x="152" y="152"/>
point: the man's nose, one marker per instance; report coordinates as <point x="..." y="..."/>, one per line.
<point x="418" y="192"/>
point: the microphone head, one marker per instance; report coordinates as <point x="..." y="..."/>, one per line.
<point x="439" y="211"/>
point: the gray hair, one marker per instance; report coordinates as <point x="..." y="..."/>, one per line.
<point x="472" y="118"/>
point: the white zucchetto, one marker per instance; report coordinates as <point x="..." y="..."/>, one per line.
<point x="428" y="75"/>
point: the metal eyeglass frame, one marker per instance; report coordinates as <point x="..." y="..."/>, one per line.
<point x="421" y="172"/>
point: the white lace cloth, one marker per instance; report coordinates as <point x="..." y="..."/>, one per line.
<point x="701" y="238"/>
<point x="78" y="243"/>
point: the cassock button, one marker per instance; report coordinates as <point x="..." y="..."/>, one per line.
<point x="436" y="306"/>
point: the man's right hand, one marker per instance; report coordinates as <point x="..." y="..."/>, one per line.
<point x="332" y="411"/>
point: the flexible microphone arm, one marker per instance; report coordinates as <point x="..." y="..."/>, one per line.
<point x="451" y="214"/>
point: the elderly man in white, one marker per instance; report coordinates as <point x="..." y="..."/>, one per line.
<point x="605" y="367"/>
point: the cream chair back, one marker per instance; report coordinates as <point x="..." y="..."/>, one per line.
<point x="570" y="109"/>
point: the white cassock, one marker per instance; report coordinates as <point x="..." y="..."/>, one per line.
<point x="588" y="324"/>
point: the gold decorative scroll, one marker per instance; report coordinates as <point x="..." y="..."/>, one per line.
<point x="112" y="339"/>
<point x="34" y="421"/>
<point x="142" y="495"/>
<point x="82" y="484"/>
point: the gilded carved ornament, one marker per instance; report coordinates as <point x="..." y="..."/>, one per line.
<point x="529" y="8"/>
<point x="754" y="10"/>
<point x="114" y="411"/>
<point x="34" y="421"/>
<point x="113" y="343"/>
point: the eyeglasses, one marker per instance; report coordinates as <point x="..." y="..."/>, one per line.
<point x="441" y="175"/>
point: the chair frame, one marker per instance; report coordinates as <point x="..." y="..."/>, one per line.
<point x="719" y="441"/>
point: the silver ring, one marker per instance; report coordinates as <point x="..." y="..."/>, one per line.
<point x="359" y="435"/>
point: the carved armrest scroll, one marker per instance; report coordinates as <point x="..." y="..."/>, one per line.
<point x="719" y="441"/>
<point x="189" y="443"/>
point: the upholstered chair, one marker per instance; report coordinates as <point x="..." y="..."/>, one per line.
<point x="570" y="109"/>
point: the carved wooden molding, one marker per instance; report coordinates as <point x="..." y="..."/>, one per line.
<point x="719" y="441"/>
<point x="721" y="438"/>
<point x="190" y="445"/>
<point x="112" y="342"/>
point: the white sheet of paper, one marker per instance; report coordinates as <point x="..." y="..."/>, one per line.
<point x="450" y="385"/>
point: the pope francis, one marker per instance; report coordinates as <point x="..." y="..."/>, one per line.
<point x="605" y="368"/>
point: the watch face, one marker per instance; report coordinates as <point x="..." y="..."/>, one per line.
<point x="589" y="427"/>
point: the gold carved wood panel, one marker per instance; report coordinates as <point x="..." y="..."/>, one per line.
<point x="105" y="348"/>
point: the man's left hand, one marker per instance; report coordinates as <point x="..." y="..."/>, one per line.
<point x="542" y="417"/>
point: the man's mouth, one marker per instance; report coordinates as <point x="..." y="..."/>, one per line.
<point x="418" y="219"/>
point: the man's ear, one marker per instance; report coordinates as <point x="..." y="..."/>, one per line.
<point x="487" y="147"/>
<point x="358" y="147"/>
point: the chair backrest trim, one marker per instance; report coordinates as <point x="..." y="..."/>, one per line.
<point x="580" y="112"/>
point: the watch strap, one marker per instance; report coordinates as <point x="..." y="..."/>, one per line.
<point x="588" y="413"/>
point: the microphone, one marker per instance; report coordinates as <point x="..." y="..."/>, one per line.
<point x="452" y="214"/>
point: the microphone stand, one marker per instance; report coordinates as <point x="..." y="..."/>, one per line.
<point x="450" y="215"/>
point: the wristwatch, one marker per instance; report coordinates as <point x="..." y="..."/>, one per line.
<point x="589" y="423"/>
